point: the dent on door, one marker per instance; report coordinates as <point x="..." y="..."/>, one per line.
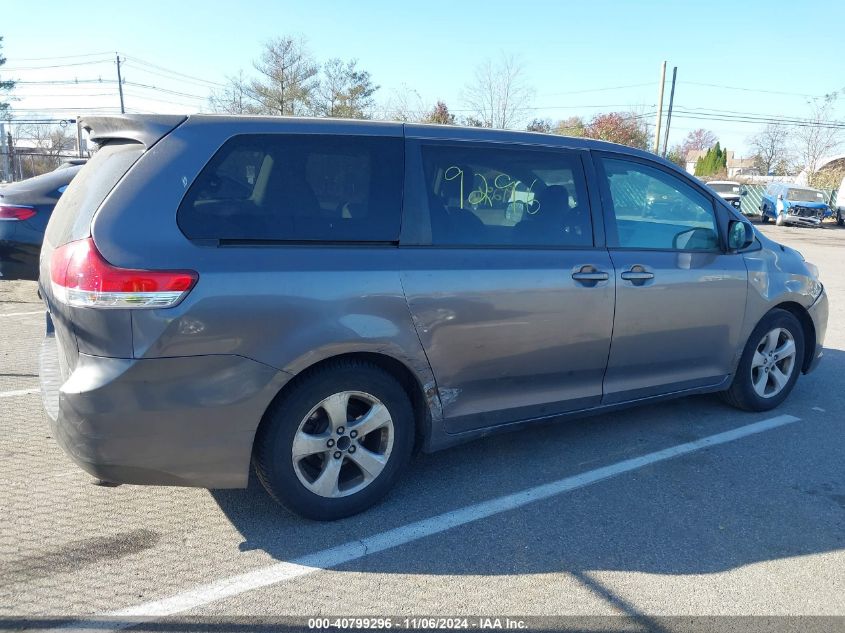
<point x="511" y="335"/>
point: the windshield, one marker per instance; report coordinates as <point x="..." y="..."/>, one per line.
<point x="805" y="195"/>
<point x="724" y="187"/>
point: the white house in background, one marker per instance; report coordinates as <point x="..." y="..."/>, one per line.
<point x="736" y="166"/>
<point x="740" y="166"/>
<point x="692" y="158"/>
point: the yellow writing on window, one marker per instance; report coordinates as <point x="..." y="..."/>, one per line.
<point x="504" y="189"/>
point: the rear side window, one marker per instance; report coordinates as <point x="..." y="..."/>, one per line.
<point x="504" y="196"/>
<point x="298" y="188"/>
<point x="71" y="219"/>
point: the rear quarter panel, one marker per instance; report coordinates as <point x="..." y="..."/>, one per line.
<point x="287" y="306"/>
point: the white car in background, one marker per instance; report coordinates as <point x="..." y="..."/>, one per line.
<point x="729" y="191"/>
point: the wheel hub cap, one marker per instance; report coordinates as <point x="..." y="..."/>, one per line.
<point x="344" y="443"/>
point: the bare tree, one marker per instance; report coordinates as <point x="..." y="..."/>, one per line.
<point x="288" y="77"/>
<point x="39" y="147"/>
<point x="236" y="97"/>
<point x="404" y="104"/>
<point x="819" y="137"/>
<point x="499" y="95"/>
<point x="698" y="140"/>
<point x="771" y="147"/>
<point x="344" y="91"/>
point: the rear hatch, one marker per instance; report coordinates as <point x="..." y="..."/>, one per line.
<point x="122" y="141"/>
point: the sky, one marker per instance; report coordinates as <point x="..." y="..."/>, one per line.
<point x="581" y="58"/>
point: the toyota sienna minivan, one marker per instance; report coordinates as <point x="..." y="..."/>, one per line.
<point x="319" y="298"/>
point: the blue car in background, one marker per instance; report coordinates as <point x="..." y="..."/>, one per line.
<point x="792" y="204"/>
<point x="25" y="208"/>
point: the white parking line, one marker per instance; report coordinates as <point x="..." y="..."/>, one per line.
<point x="18" y="392"/>
<point x="11" y="314"/>
<point x="353" y="550"/>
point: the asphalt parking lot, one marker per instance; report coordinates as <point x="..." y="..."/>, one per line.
<point x="751" y="523"/>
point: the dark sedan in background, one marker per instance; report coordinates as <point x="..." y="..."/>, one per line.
<point x="25" y="208"/>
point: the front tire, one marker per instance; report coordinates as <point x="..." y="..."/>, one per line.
<point x="770" y="363"/>
<point x="839" y="219"/>
<point x="336" y="442"/>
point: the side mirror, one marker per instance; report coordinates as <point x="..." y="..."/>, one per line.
<point x="740" y="235"/>
<point x="780" y="196"/>
<point x="743" y="191"/>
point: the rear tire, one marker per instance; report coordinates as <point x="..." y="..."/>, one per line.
<point x="764" y="219"/>
<point x="308" y="454"/>
<point x="769" y="366"/>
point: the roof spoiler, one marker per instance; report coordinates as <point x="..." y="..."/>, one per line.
<point x="144" y="128"/>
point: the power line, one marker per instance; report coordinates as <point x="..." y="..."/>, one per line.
<point x="729" y="119"/>
<point x="65" y="82"/>
<point x="578" y="92"/>
<point x="66" y="95"/>
<point x="71" y="82"/>
<point x="750" y="114"/>
<point x="173" y="72"/>
<point x="744" y="89"/>
<point x="41" y="59"/>
<point x="91" y="63"/>
<point x="201" y="83"/>
<point x="165" y="90"/>
<point x="191" y="107"/>
<point x="755" y="116"/>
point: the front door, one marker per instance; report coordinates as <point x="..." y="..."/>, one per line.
<point x="680" y="299"/>
<point x="511" y="300"/>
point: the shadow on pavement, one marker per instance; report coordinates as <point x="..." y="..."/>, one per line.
<point x="775" y="495"/>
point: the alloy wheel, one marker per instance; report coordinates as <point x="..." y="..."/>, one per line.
<point x="773" y="363"/>
<point x="343" y="444"/>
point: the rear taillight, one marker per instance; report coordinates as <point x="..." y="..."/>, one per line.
<point x="82" y="278"/>
<point x="15" y="212"/>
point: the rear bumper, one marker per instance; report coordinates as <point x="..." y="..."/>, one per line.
<point x="818" y="313"/>
<point x="186" y="421"/>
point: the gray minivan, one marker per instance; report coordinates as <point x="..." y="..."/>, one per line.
<point x="319" y="298"/>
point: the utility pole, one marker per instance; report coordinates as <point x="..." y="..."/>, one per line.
<point x="4" y="166"/>
<point x="120" y="82"/>
<point x="659" y="109"/>
<point x="79" y="137"/>
<point x="669" y="115"/>
<point x="10" y="152"/>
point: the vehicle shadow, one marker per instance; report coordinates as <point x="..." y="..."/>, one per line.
<point x="769" y="496"/>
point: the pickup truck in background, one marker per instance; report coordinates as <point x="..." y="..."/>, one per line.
<point x="793" y="204"/>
